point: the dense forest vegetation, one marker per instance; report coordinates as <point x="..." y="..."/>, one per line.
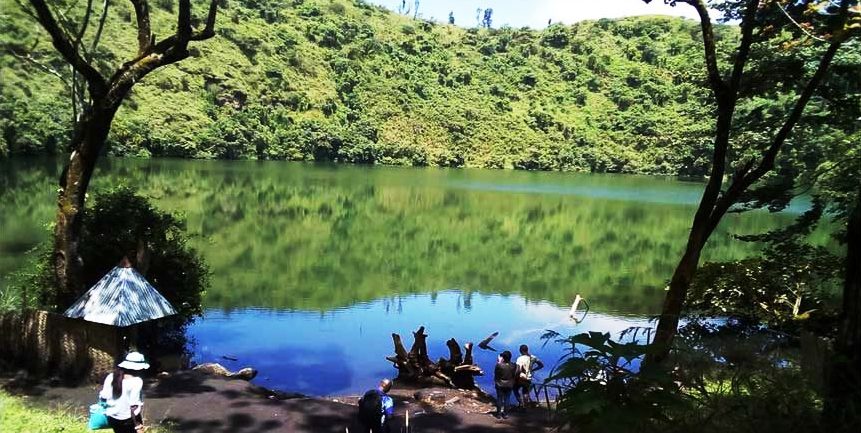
<point x="346" y="81"/>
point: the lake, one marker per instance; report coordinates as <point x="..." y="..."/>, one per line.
<point x="314" y="266"/>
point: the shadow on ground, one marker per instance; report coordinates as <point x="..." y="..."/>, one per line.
<point x="197" y="403"/>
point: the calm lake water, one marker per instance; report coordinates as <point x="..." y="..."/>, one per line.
<point x="315" y="266"/>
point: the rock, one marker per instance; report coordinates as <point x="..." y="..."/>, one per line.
<point x="212" y="368"/>
<point x="216" y="369"/>
<point x="246" y="373"/>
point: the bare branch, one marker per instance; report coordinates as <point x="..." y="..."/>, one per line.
<point x="144" y="30"/>
<point x="98" y="36"/>
<point x="209" y="28"/>
<point x="80" y="36"/>
<point x="61" y="42"/>
<point x="35" y="62"/>
<point x="78" y="99"/>
<point x="770" y="154"/>
<point x="799" y="26"/>
<point x="26" y="10"/>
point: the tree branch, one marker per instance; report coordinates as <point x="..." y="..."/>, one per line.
<point x="715" y="80"/>
<point x="32" y="60"/>
<point x="209" y="28"/>
<point x="78" y="98"/>
<point x="748" y="23"/>
<point x="169" y="50"/>
<point x="747" y="177"/>
<point x="183" y="24"/>
<point x="770" y="154"/>
<point x="98" y="36"/>
<point x="94" y="79"/>
<point x="144" y="30"/>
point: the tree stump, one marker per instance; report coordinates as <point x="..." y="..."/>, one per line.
<point x="415" y="366"/>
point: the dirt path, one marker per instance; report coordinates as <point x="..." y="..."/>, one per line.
<point x="193" y="402"/>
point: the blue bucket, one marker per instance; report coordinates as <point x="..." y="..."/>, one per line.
<point x="98" y="419"/>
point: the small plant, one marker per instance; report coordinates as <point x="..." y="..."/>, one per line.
<point x="604" y="390"/>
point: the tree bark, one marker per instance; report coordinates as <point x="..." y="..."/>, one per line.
<point x="74" y="182"/>
<point x="842" y="412"/>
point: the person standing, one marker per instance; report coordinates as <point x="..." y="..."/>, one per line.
<point x="527" y="364"/>
<point x="123" y="394"/>
<point x="504" y="376"/>
<point x="376" y="408"/>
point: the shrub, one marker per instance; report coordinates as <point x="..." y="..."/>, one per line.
<point x="117" y="222"/>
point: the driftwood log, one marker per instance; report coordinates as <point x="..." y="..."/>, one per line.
<point x="415" y="366"/>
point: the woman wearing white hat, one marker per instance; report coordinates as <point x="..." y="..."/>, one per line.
<point x="122" y="392"/>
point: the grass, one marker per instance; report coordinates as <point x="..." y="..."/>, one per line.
<point x="18" y="416"/>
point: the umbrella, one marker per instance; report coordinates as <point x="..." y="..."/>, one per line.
<point x="121" y="298"/>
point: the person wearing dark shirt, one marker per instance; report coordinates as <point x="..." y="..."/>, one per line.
<point x="504" y="376"/>
<point x="376" y="408"/>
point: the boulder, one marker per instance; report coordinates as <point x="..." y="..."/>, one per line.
<point x="216" y="369"/>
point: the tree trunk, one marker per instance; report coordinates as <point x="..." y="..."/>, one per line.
<point x="843" y="403"/>
<point x="674" y="301"/>
<point x="415" y="366"/>
<point x="74" y="182"/>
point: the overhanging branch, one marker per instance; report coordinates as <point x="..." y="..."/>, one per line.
<point x="64" y="46"/>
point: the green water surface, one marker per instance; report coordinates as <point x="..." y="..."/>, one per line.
<point x="292" y="236"/>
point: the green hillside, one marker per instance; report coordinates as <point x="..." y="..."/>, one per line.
<point x="347" y="81"/>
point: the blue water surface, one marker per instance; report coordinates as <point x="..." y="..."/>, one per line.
<point x="343" y="352"/>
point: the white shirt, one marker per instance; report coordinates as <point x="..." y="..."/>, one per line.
<point x="131" y="396"/>
<point x="525" y="362"/>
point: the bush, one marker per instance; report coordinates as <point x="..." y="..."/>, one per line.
<point x="721" y="377"/>
<point x="555" y="36"/>
<point x="118" y="223"/>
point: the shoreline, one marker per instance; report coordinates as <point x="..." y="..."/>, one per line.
<point x="189" y="401"/>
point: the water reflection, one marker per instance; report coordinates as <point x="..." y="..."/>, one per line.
<point x="303" y="237"/>
<point x="315" y="266"/>
<point x="343" y="351"/>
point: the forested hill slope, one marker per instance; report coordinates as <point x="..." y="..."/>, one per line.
<point x="347" y="81"/>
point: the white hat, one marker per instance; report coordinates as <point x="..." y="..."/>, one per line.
<point x="134" y="361"/>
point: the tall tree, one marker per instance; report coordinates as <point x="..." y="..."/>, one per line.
<point x="487" y="20"/>
<point x="842" y="412"/>
<point x="105" y="94"/>
<point x="757" y="22"/>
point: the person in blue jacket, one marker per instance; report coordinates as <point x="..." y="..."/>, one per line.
<point x="376" y="408"/>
